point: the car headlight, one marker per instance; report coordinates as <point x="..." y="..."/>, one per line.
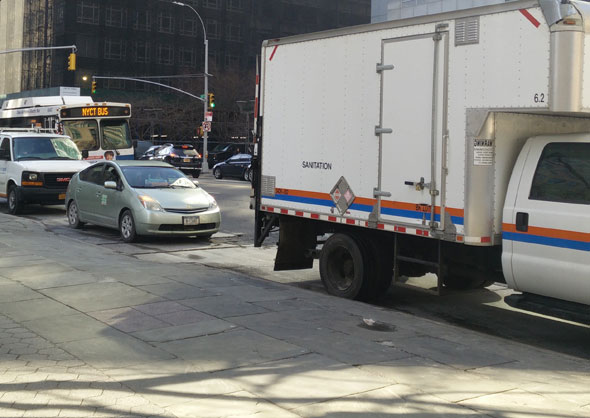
<point x="31" y="179"/>
<point x="150" y="203"/>
<point x="212" y="203"/>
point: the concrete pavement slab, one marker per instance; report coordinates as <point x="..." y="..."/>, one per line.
<point x="249" y="293"/>
<point x="35" y="309"/>
<point x="176" y="291"/>
<point x="68" y="278"/>
<point x="27" y="271"/>
<point x="100" y="296"/>
<point x="160" y="308"/>
<point x="69" y="328"/>
<point x="114" y="351"/>
<point x="18" y="260"/>
<point x="223" y="306"/>
<point x="231" y="349"/>
<point x="128" y="319"/>
<point x="17" y="292"/>
<point x="190" y="316"/>
<point x="183" y="332"/>
<point x="390" y="401"/>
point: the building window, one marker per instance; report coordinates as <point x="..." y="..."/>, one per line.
<point x="142" y="20"/>
<point x="87" y="12"/>
<point x="211" y="4"/>
<point x="188" y="57"/>
<point x="212" y="28"/>
<point x="189" y="26"/>
<point x="114" y="49"/>
<point x="142" y="52"/>
<point x="87" y="46"/>
<point x="165" y="54"/>
<point x="116" y="17"/>
<point x="232" y="61"/>
<point x="236" y="5"/>
<point x="165" y="22"/>
<point x="233" y="32"/>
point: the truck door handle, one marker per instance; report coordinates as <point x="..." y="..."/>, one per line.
<point x="522" y="221"/>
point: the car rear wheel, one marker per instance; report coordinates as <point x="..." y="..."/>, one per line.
<point x="217" y="173"/>
<point x="247" y="174"/>
<point x="127" y="227"/>
<point x="74" y="216"/>
<point x="15" y="205"/>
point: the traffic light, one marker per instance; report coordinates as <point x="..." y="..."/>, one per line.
<point x="211" y="101"/>
<point x="93" y="86"/>
<point x="72" y="62"/>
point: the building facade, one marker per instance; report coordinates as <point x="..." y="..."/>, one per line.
<point x="11" y="37"/>
<point x="384" y="10"/>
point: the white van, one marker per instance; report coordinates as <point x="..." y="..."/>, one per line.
<point x="36" y="167"/>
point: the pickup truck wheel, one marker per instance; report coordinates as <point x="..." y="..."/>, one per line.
<point x="15" y="204"/>
<point x="217" y="173"/>
<point x="342" y="266"/>
<point x="74" y="216"/>
<point x="127" y="227"/>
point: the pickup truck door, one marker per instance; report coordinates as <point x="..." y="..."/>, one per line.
<point x="4" y="158"/>
<point x="546" y="232"/>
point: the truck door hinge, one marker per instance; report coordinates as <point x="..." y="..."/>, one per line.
<point x="380" y="193"/>
<point x="379" y="130"/>
<point x="384" y="67"/>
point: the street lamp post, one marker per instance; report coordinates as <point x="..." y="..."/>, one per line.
<point x="206" y="76"/>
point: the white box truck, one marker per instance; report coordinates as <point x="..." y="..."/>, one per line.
<point x="456" y="143"/>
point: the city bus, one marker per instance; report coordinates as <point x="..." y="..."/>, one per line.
<point x="101" y="129"/>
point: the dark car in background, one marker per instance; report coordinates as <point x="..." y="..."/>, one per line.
<point x="149" y="153"/>
<point x="239" y="165"/>
<point x="184" y="157"/>
<point x="222" y="152"/>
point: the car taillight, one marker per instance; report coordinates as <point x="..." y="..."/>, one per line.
<point x="173" y="155"/>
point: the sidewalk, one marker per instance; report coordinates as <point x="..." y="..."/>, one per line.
<point x="87" y="331"/>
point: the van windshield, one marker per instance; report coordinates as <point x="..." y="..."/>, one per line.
<point x="45" y="148"/>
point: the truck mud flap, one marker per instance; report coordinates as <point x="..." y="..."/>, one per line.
<point x="296" y="239"/>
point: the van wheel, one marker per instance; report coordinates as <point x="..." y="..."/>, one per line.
<point x="74" y="215"/>
<point x="15" y="204"/>
<point x="217" y="173"/>
<point x="127" y="227"/>
<point x="342" y="266"/>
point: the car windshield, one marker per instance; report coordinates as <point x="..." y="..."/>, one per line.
<point x="115" y="134"/>
<point x="156" y="178"/>
<point x="45" y="148"/>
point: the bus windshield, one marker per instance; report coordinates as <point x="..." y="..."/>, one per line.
<point x="45" y="148"/>
<point x="83" y="132"/>
<point x="115" y="134"/>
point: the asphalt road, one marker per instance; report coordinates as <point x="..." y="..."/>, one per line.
<point x="496" y="310"/>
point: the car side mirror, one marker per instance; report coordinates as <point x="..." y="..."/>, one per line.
<point x="110" y="185"/>
<point x="85" y="154"/>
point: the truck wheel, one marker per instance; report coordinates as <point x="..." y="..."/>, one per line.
<point x="127" y="227"/>
<point x="15" y="204"/>
<point x="379" y="256"/>
<point x="460" y="278"/>
<point x="217" y="173"/>
<point x="342" y="266"/>
<point x="74" y="216"/>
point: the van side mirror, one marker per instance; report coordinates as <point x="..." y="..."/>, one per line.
<point x="85" y="154"/>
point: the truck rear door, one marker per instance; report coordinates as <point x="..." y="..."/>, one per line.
<point x="546" y="232"/>
<point x="413" y="124"/>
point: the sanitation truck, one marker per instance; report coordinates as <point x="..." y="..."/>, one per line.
<point x="456" y="144"/>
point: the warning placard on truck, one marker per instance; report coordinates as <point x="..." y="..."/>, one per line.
<point x="483" y="152"/>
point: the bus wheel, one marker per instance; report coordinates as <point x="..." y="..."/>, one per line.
<point x="15" y="205"/>
<point x="342" y="266"/>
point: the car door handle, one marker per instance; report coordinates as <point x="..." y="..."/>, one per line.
<point x="522" y="221"/>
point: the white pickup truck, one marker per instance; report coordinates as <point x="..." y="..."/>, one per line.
<point x="36" y="167"/>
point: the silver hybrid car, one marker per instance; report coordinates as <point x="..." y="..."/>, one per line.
<point x="141" y="198"/>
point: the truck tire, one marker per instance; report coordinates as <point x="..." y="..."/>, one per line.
<point x="461" y="278"/>
<point x="343" y="266"/>
<point x="379" y="256"/>
<point x="15" y="204"/>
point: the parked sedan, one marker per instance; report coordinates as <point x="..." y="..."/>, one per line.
<point x="184" y="157"/>
<point x="240" y="165"/>
<point x="141" y="198"/>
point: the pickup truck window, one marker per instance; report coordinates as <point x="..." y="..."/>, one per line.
<point x="563" y="174"/>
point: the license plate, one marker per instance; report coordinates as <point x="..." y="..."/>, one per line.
<point x="190" y="220"/>
<point x="187" y="160"/>
<point x="61" y="196"/>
